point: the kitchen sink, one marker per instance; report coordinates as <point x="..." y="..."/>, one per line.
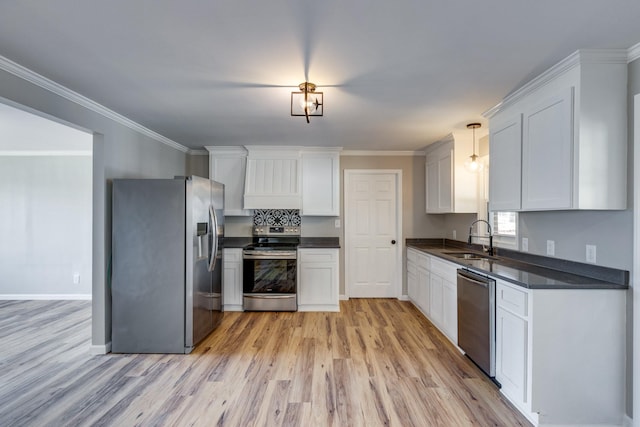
<point x="468" y="255"/>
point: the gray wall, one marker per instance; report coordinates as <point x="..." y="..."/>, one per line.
<point x="118" y="152"/>
<point x="45" y="224"/>
<point x="198" y="164"/>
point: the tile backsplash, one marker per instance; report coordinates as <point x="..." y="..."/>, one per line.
<point x="277" y="217"/>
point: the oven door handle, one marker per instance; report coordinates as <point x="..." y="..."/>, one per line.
<point x="263" y="296"/>
<point x="270" y="256"/>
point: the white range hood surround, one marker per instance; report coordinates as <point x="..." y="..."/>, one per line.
<point x="273" y="177"/>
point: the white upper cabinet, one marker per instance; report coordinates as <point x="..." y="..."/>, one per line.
<point x="504" y="177"/>
<point x="573" y="138"/>
<point x="547" y="148"/>
<point x="321" y="182"/>
<point x="450" y="188"/>
<point x="273" y="178"/>
<point x="228" y="166"/>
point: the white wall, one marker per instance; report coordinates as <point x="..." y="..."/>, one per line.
<point x="45" y="224"/>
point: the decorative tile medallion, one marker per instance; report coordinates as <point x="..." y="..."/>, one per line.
<point x="277" y="217"/>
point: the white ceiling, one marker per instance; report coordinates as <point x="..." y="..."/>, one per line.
<point x="397" y="75"/>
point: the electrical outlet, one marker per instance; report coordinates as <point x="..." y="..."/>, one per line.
<point x="76" y="278"/>
<point x="454" y="235"/>
<point x="525" y="244"/>
<point x="591" y="254"/>
<point x="551" y="247"/>
<point x="337" y="223"/>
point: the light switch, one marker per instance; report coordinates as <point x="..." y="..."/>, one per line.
<point x="337" y="223"/>
<point x="525" y="244"/>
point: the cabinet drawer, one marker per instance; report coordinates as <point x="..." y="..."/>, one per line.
<point x="418" y="258"/>
<point x="317" y="255"/>
<point x="444" y="269"/>
<point x="512" y="299"/>
<point x="412" y="255"/>
<point x="232" y="255"/>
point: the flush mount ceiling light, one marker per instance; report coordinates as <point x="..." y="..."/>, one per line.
<point x="473" y="165"/>
<point x="307" y="102"/>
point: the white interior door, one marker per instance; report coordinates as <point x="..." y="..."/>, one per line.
<point x="372" y="233"/>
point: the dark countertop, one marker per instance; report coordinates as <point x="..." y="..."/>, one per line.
<point x="305" y="242"/>
<point x="237" y="242"/>
<point x="529" y="271"/>
<point x="319" y="243"/>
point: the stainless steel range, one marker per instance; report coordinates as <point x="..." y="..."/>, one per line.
<point x="270" y="269"/>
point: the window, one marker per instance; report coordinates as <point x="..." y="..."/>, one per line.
<point x="504" y="226"/>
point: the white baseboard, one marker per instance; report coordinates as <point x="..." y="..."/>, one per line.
<point x="100" y="349"/>
<point x="404" y="298"/>
<point x="344" y="298"/>
<point x="319" y="307"/>
<point x="86" y="297"/>
<point x="233" y="307"/>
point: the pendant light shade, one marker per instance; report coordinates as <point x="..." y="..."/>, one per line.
<point x="473" y="164"/>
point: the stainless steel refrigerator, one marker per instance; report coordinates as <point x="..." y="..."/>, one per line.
<point x="166" y="283"/>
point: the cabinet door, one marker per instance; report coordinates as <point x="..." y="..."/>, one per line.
<point x="436" y="313"/>
<point x="424" y="290"/>
<point x="318" y="280"/>
<point x="320" y="184"/>
<point x="439" y="182"/>
<point x="232" y="294"/>
<point x="230" y="169"/>
<point x="511" y="354"/>
<point x="547" y="154"/>
<point x="445" y="183"/>
<point x="317" y="286"/>
<point x="412" y="283"/>
<point x="431" y="186"/>
<point x="505" y="176"/>
<point x="450" y="310"/>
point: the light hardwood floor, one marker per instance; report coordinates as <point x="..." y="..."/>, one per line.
<point x="377" y="362"/>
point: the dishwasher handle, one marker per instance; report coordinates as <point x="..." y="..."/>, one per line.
<point x="473" y="278"/>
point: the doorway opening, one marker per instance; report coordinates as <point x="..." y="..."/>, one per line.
<point x="46" y="187"/>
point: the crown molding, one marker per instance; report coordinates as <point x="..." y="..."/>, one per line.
<point x="583" y="56"/>
<point x="47" y="84"/>
<point x="193" y="152"/>
<point x="47" y="153"/>
<point x="633" y="53"/>
<point x="380" y="153"/>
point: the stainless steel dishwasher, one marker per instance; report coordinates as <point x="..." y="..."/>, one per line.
<point x="477" y="319"/>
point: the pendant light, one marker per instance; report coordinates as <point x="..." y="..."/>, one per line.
<point x="472" y="164"/>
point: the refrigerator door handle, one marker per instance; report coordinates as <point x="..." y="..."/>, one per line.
<point x="214" y="237"/>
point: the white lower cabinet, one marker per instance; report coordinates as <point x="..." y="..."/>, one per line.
<point x="232" y="286"/>
<point x="512" y="341"/>
<point x="318" y="280"/>
<point x="450" y="310"/>
<point x="560" y="353"/>
<point x="431" y="286"/>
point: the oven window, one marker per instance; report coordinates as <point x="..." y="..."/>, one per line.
<point x="270" y="276"/>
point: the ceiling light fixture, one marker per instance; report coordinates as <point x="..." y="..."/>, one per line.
<point x="307" y="102"/>
<point x="473" y="165"/>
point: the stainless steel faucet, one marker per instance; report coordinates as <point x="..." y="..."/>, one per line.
<point x="490" y="236"/>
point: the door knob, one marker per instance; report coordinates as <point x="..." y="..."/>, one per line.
<point x="393" y="242"/>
